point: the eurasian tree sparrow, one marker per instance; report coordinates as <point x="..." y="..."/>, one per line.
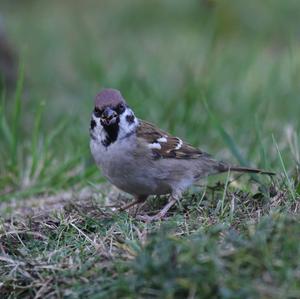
<point x="143" y="160"/>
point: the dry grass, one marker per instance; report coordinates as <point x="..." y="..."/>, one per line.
<point x="62" y="246"/>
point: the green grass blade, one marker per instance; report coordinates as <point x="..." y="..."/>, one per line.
<point x="17" y="114"/>
<point x="229" y="141"/>
<point x="35" y="137"/>
<point x="290" y="185"/>
<point x="5" y="131"/>
<point x="262" y="150"/>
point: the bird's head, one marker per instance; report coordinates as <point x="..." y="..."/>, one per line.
<point x="112" y="114"/>
<point x="109" y="106"/>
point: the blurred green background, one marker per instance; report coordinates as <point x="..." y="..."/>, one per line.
<point x="173" y="61"/>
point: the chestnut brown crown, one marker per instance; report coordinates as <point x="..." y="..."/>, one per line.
<point x="108" y="98"/>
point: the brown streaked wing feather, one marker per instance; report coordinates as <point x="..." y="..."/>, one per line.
<point x="169" y="149"/>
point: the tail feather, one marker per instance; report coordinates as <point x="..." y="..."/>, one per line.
<point x="248" y="170"/>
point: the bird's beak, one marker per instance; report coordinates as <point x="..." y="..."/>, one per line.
<point x="108" y="116"/>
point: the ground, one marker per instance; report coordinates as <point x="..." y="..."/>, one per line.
<point x="223" y="77"/>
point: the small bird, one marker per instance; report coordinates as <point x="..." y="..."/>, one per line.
<point x="141" y="159"/>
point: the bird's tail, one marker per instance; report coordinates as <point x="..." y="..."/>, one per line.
<point x="246" y="169"/>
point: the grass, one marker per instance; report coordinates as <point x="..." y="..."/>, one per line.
<point x="223" y="77"/>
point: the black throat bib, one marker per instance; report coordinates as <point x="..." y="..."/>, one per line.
<point x="112" y="132"/>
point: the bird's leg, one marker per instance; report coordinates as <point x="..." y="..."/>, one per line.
<point x="138" y="199"/>
<point x="161" y="214"/>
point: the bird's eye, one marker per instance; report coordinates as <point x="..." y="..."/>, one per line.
<point x="120" y="108"/>
<point x="97" y="112"/>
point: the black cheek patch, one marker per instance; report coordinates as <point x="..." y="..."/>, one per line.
<point x="130" y="118"/>
<point x="93" y="124"/>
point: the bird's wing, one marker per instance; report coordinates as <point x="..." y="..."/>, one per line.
<point x="163" y="145"/>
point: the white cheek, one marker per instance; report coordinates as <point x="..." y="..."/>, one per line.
<point x="98" y="130"/>
<point x="125" y="126"/>
<point x="96" y="120"/>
